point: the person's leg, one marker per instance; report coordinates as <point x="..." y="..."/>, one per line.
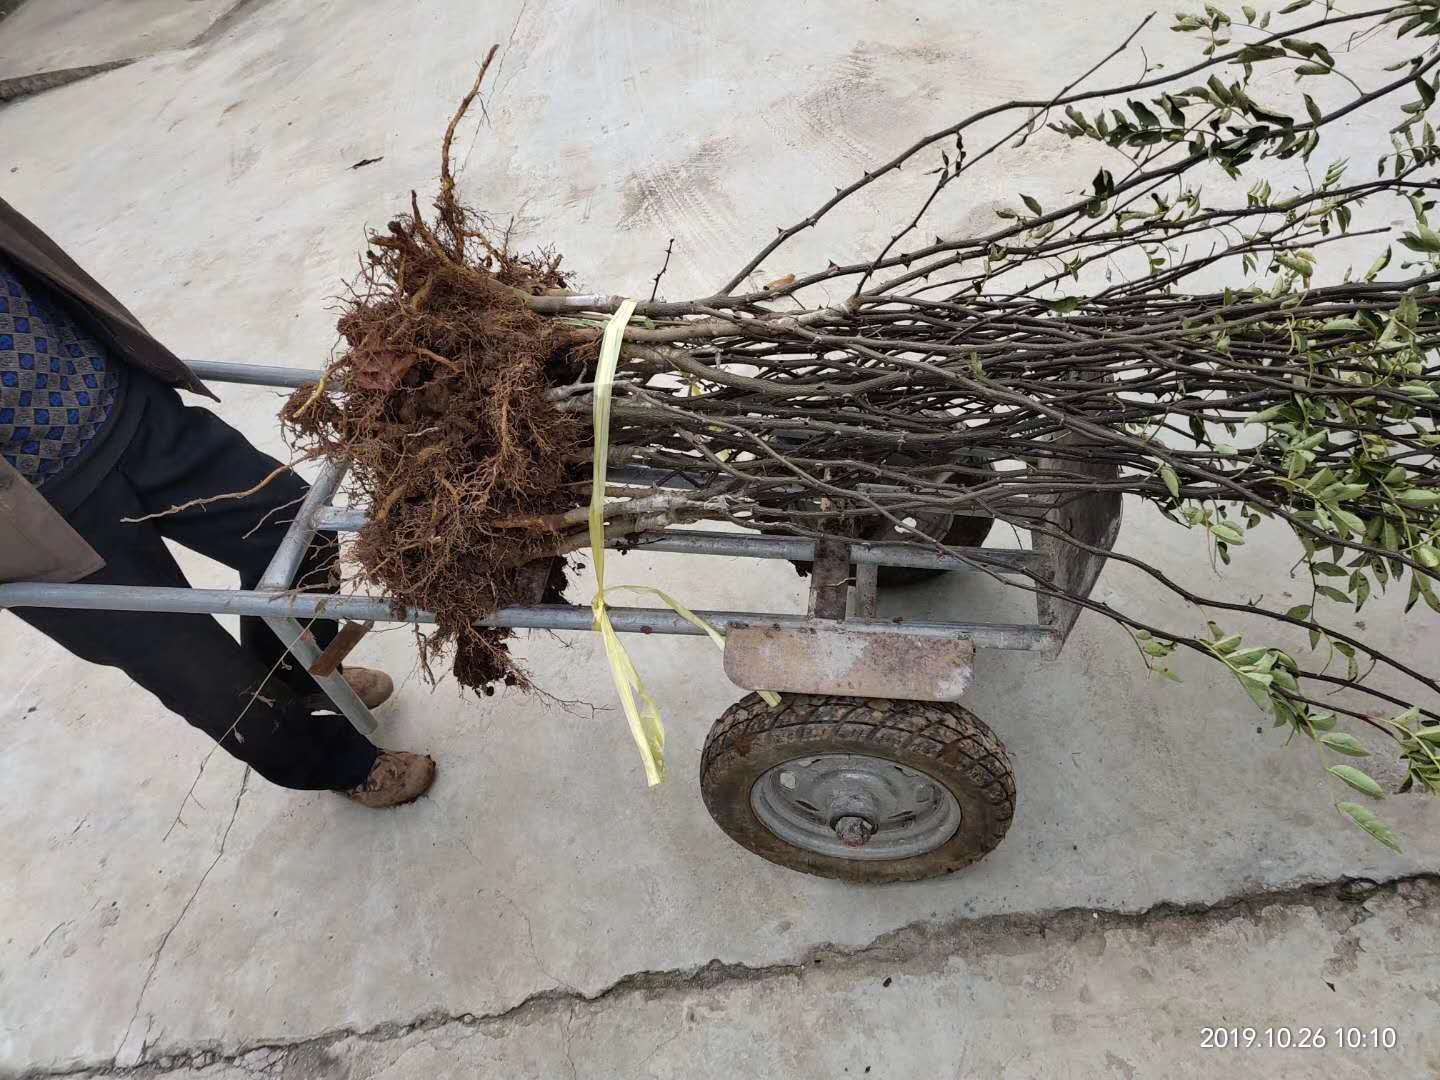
<point x="186" y="453"/>
<point x="192" y="664"/>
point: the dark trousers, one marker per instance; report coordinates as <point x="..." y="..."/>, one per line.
<point x="247" y="695"/>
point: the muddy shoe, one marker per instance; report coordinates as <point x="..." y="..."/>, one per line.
<point x="372" y="687"/>
<point x="396" y="778"/>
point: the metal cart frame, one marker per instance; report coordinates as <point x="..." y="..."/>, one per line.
<point x="837" y="647"/>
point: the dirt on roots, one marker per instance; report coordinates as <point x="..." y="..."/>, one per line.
<point x="438" y="404"/>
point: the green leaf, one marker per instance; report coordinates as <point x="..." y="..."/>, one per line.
<point x="1431" y="600"/>
<point x="1328" y="569"/>
<point x="1359" y="588"/>
<point x="1258" y="688"/>
<point x="1408" y="717"/>
<point x="1227" y="533"/>
<point x="1299" y="611"/>
<point x="1247" y="656"/>
<point x="1249" y="12"/>
<point x="1418" y="497"/>
<point x="1370" y="823"/>
<point x="1422" y="390"/>
<point x="1331" y="593"/>
<point x="1342" y="742"/>
<point x="1300" y="266"/>
<point x="1296" y="6"/>
<point x="1032" y="204"/>
<point x="1064" y="306"/>
<point x="1226" y="644"/>
<point x="1348" y="522"/>
<point x="1380" y="264"/>
<point x="1419" y="241"/>
<point x="1172" y="482"/>
<point x="1427" y="556"/>
<point x="1346" y="492"/>
<point x="1254" y="53"/>
<point x="1408" y="313"/>
<point x="1312" y="69"/>
<point x="1314" y="110"/>
<point x="1146" y="117"/>
<point x="1360" y="781"/>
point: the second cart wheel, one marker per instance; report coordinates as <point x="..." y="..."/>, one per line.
<point x="863" y="790"/>
<point x="950" y="530"/>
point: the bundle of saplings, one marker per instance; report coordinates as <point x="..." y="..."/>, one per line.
<point x="1176" y="320"/>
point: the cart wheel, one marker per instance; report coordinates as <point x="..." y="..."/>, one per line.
<point x="952" y="531"/>
<point x="955" y="532"/>
<point x="860" y="789"/>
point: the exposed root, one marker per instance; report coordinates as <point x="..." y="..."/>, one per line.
<point x="226" y="497"/>
<point x="439" y="405"/>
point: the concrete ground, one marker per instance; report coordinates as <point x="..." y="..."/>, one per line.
<point x="1173" y="866"/>
<point x="51" y="35"/>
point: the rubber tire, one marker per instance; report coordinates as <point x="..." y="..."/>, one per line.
<point x="963" y="532"/>
<point x="957" y="532"/>
<point x="943" y="740"/>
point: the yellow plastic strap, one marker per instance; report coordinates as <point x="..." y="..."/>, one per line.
<point x="769" y="696"/>
<point x="641" y="711"/>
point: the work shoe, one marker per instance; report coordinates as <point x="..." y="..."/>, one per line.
<point x="396" y="778"/>
<point x="372" y="687"/>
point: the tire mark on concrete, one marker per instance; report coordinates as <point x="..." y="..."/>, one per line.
<point x="233" y="16"/>
<point x="24" y="85"/>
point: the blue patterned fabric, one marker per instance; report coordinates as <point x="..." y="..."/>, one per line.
<point x="58" y="389"/>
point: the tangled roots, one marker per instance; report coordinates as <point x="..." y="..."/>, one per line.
<point x="438" y="405"/>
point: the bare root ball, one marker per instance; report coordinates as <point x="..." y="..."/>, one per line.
<point x="444" y="422"/>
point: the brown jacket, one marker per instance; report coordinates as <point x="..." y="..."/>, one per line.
<point x="36" y="544"/>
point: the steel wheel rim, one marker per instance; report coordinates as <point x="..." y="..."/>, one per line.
<point x="854" y="806"/>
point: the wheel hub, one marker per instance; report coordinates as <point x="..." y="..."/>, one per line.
<point x="855" y="807"/>
<point x="854" y="831"/>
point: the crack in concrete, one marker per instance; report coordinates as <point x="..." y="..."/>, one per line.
<point x="661" y="1045"/>
<point x="165" y="940"/>
<point x="918" y="943"/>
<point x="569" y="1036"/>
<point x="459" y="836"/>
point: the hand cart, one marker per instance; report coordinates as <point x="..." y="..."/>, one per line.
<point x="868" y="771"/>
